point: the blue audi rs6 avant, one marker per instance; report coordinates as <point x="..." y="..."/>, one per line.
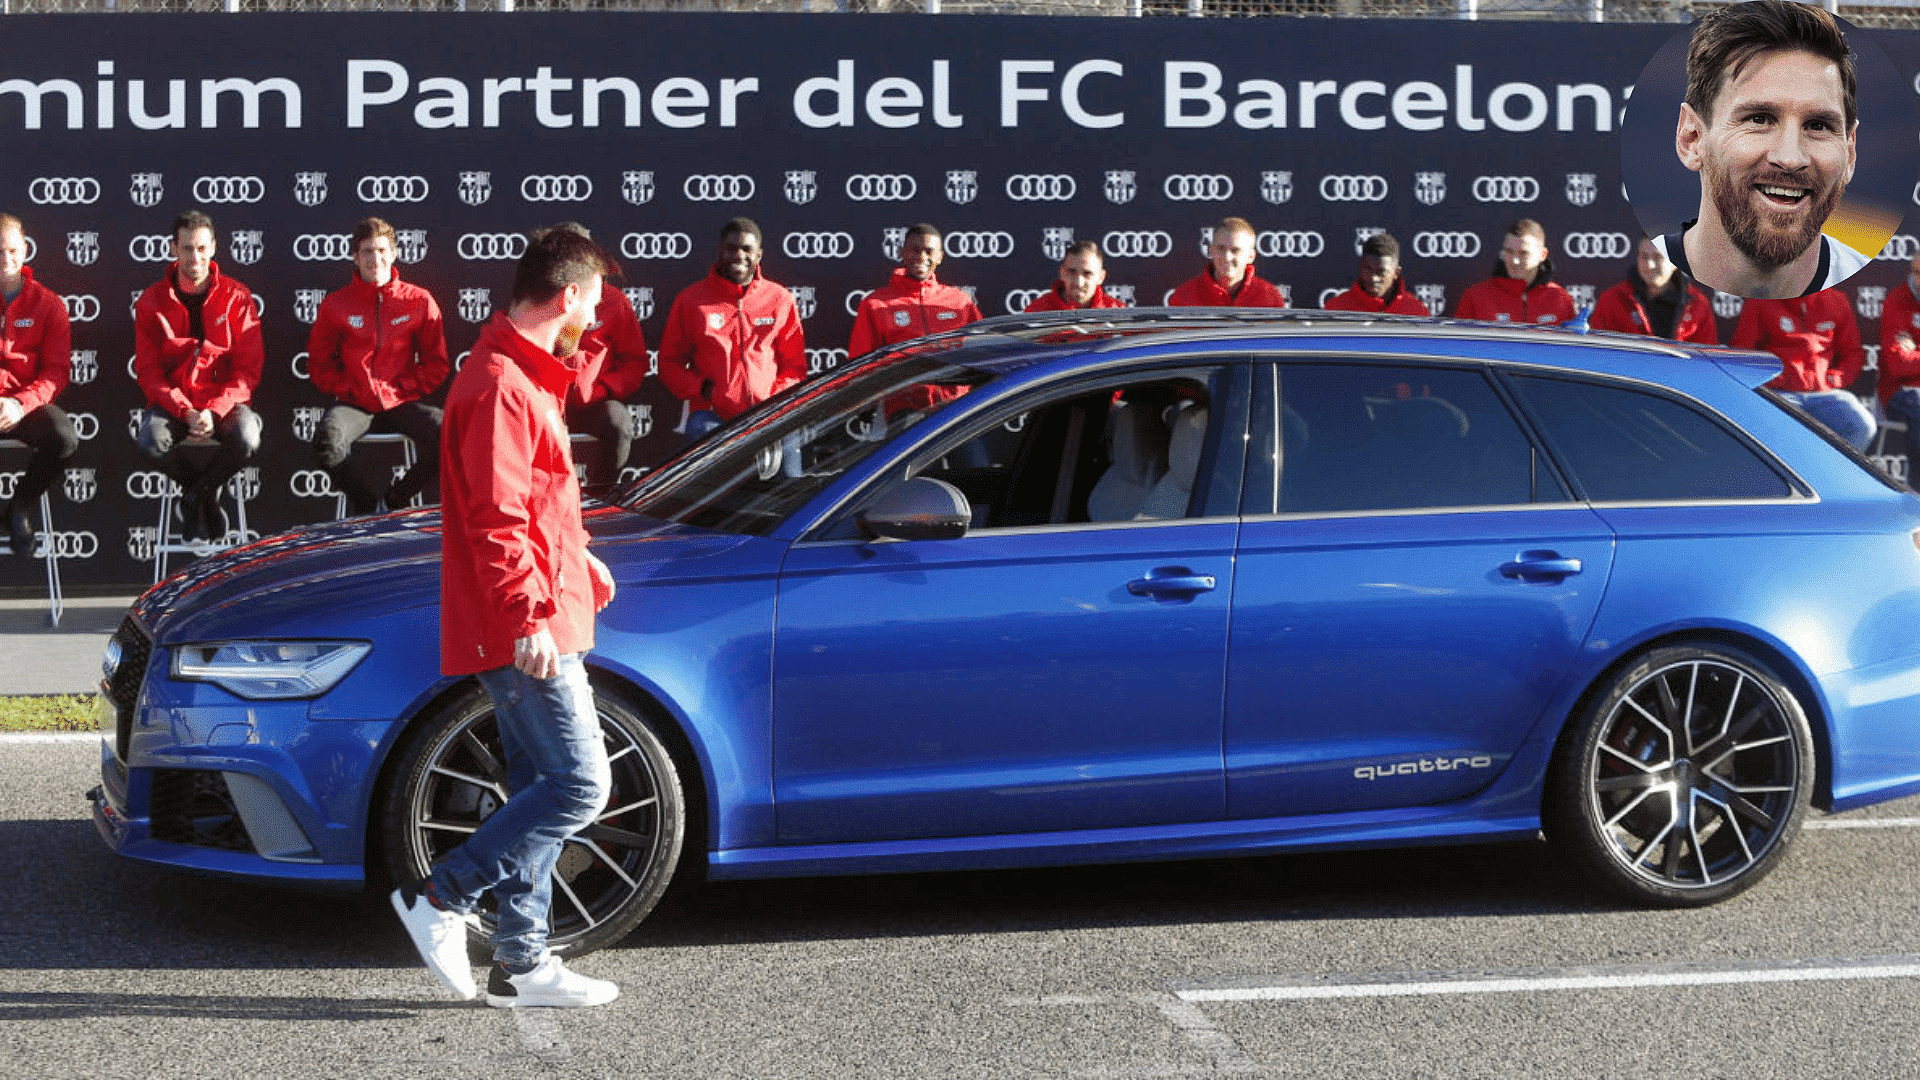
<point x="1074" y="588"/>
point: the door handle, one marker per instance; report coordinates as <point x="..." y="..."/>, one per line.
<point x="1540" y="566"/>
<point x="1177" y="582"/>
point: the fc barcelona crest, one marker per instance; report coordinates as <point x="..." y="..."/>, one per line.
<point x="801" y="187"/>
<point x="411" y="246"/>
<point x="804" y="300"/>
<point x="246" y="246"/>
<point x="963" y="186"/>
<point x="310" y="188"/>
<point x="636" y="186"/>
<point x="1582" y="188"/>
<point x="476" y="187"/>
<point x="1430" y="188"/>
<point x="1055" y="241"/>
<point x="891" y="241"/>
<point x="81" y="485"/>
<point x="1276" y="187"/>
<point x="146" y="190"/>
<point x="1434" y="296"/>
<point x="83" y="248"/>
<point x="641" y="299"/>
<point x="1121" y="186"/>
<point x="476" y="305"/>
<point x="306" y="304"/>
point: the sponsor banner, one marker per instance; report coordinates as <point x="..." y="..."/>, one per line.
<point x="1015" y="135"/>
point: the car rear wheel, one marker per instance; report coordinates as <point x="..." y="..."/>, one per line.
<point x="1684" y="779"/>
<point x="450" y="773"/>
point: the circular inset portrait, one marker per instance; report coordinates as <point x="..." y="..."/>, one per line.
<point x="1769" y="148"/>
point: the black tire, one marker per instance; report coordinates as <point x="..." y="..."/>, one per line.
<point x="1684" y="779"/>
<point x="449" y="774"/>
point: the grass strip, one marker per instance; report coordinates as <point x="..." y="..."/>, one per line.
<point x="48" y="712"/>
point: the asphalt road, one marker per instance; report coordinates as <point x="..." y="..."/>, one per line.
<point x="1461" y="962"/>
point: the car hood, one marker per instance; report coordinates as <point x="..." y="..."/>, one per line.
<point x="326" y="580"/>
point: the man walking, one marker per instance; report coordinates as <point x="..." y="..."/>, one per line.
<point x="35" y="363"/>
<point x="518" y="594"/>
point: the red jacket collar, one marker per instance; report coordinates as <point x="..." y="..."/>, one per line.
<point x="549" y="372"/>
<point x="362" y="289"/>
<point x="900" y="282"/>
<point x="213" y="279"/>
<point x="728" y="288"/>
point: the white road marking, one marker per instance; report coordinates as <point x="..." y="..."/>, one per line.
<point x="1905" y="967"/>
<point x="1200" y="1032"/>
<point x="1865" y="823"/>
<point x="23" y="737"/>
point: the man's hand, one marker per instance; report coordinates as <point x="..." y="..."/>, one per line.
<point x="1904" y="340"/>
<point x="11" y="412"/>
<point x="535" y="654"/>
<point x="200" y="424"/>
<point x="602" y="579"/>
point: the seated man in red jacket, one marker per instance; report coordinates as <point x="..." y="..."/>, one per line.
<point x="378" y="347"/>
<point x="1522" y="289"/>
<point x="1228" y="279"/>
<point x="733" y="339"/>
<point x="1081" y="273"/>
<point x="1656" y="300"/>
<point x="609" y="367"/>
<point x="1899" y="375"/>
<point x="197" y="356"/>
<point x="1380" y="286"/>
<point x="35" y="364"/>
<point x="1818" y="344"/>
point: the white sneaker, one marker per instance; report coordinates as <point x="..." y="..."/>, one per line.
<point x="549" y="984"/>
<point x="441" y="937"/>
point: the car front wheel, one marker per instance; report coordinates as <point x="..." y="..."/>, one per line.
<point x="1684" y="779"/>
<point x="450" y="773"/>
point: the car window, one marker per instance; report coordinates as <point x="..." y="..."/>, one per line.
<point x="1622" y="444"/>
<point x="1356" y="437"/>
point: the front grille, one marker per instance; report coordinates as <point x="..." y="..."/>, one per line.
<point x="193" y="806"/>
<point x="123" y="685"/>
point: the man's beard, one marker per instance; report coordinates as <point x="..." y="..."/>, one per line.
<point x="568" y="342"/>
<point x="1782" y="241"/>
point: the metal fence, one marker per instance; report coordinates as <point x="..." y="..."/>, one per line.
<point x="1874" y="13"/>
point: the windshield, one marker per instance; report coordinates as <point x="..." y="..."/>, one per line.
<point x="749" y="476"/>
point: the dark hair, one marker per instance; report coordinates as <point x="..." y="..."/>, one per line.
<point x="190" y="220"/>
<point x="923" y="229"/>
<point x="1727" y="40"/>
<point x="556" y="258"/>
<point x="570" y="226"/>
<point x="1526" y="226"/>
<point x="370" y="229"/>
<point x="1085" y="247"/>
<point x="744" y="225"/>
<point x="1380" y="246"/>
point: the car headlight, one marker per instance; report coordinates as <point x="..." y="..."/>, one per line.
<point x="269" y="669"/>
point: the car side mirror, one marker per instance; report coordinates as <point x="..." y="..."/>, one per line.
<point x="921" y="508"/>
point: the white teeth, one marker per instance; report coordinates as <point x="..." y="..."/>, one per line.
<point x="1782" y="192"/>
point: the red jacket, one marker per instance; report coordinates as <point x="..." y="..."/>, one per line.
<point x="182" y="374"/>
<point x="613" y="352"/>
<point x="1206" y="291"/>
<point x="513" y="552"/>
<point x="904" y="309"/>
<point x="1899" y="366"/>
<point x="1814" y="336"/>
<point x="1398" y="301"/>
<point x="746" y="340"/>
<point x="1619" y="308"/>
<point x="36" y="345"/>
<point x="1055" y="299"/>
<point x="1508" y="299"/>
<point x="377" y="346"/>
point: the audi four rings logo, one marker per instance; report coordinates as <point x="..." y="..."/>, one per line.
<point x="1290" y="245"/>
<point x="229" y="189"/>
<point x="392" y="189"/>
<point x="881" y="187"/>
<point x="1018" y="299"/>
<point x="979" y="245"/>
<point x="1041" y="187"/>
<point x="1198" y="187"/>
<point x="310" y="484"/>
<point x="1900" y="248"/>
<point x="1137" y="244"/>
<point x="64" y="191"/>
<point x="1506" y="188"/>
<point x="151" y="248"/>
<point x="819" y="360"/>
<point x="67" y="545"/>
<point x="322" y="247"/>
<point x="1353" y="188"/>
<point x="712" y="188"/>
<point x="1597" y="245"/>
<point x="656" y="245"/>
<point x="150" y="485"/>
<point x="1446" y="245"/>
<point x="82" y="307"/>
<point x="817" y="245"/>
<point x="491" y="245"/>
<point x="85" y="425"/>
<point x="542" y="188"/>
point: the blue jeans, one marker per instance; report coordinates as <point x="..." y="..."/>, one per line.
<point x="1904" y="406"/>
<point x="559" y="779"/>
<point x="1843" y="414"/>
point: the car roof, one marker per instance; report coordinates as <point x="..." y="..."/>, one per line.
<point x="1012" y="342"/>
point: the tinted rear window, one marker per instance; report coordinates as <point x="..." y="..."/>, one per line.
<point x="1626" y="445"/>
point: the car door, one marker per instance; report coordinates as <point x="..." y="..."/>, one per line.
<point x="1414" y="582"/>
<point x="1044" y="672"/>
